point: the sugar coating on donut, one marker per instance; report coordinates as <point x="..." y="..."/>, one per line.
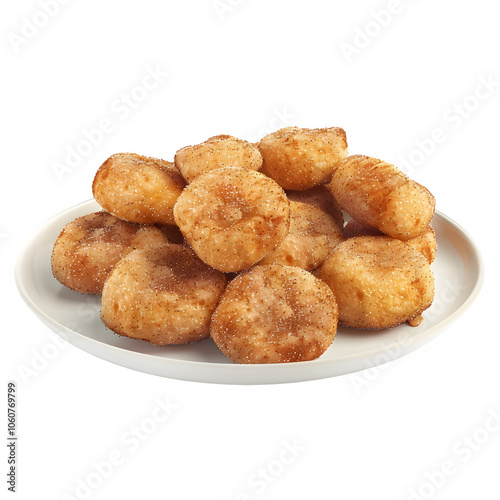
<point x="379" y="195"/>
<point x="217" y="152"/>
<point x="88" y="247"/>
<point x="313" y="235"/>
<point x="138" y="188"/>
<point x="378" y="281"/>
<point x="425" y="242"/>
<point x="163" y="295"/>
<point x="321" y="197"/>
<point x="233" y="217"/>
<point x="301" y="158"/>
<point x="275" y="314"/>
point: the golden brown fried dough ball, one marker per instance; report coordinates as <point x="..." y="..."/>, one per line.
<point x="233" y="217"/>
<point x="217" y="152"/>
<point x="313" y="235"/>
<point x="164" y="295"/>
<point x="301" y="158"/>
<point x="319" y="196"/>
<point x="275" y="314"/>
<point x="138" y="188"/>
<point x="379" y="195"/>
<point x="425" y="242"/>
<point x="88" y="247"/>
<point x="378" y="281"/>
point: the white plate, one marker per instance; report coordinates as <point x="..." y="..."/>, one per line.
<point x="458" y="271"/>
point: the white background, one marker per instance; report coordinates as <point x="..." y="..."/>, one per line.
<point x="244" y="67"/>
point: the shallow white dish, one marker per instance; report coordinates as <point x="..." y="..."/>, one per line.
<point x="458" y="271"/>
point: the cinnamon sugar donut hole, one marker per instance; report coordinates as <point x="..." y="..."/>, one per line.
<point x="138" y="188"/>
<point x="163" y="295"/>
<point x="233" y="217"/>
<point x="313" y="235"/>
<point x="425" y="242"/>
<point x="275" y="314"/>
<point x="378" y="282"/>
<point x="379" y="195"/>
<point x="217" y="152"/>
<point x="301" y="158"/>
<point x="88" y="248"/>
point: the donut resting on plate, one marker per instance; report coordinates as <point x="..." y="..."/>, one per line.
<point x="275" y="314"/>
<point x="378" y="281"/>
<point x="164" y="295"/>
<point x="88" y="248"/>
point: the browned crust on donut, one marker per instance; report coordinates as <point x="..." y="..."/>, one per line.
<point x="378" y="281"/>
<point x="313" y="235"/>
<point x="233" y="217"/>
<point x="217" y="152"/>
<point x="425" y="242"/>
<point x="275" y="314"/>
<point x="138" y="188"/>
<point x="163" y="295"/>
<point x="89" y="247"/>
<point x="379" y="195"/>
<point x="301" y="158"/>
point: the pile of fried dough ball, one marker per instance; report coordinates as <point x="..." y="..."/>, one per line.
<point x="247" y="244"/>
